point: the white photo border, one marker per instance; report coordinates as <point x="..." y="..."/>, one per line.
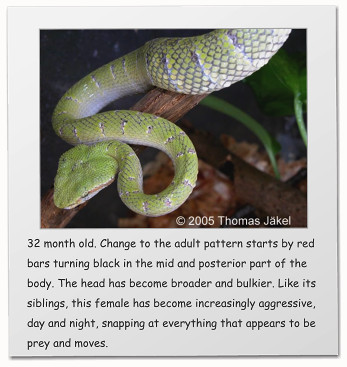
<point x="24" y="25"/>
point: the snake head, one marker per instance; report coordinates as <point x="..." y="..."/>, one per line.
<point x="82" y="172"/>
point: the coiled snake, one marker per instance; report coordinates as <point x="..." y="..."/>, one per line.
<point x="192" y="65"/>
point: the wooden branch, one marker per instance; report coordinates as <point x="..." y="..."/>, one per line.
<point x="169" y="105"/>
<point x="274" y="197"/>
<point x="53" y="217"/>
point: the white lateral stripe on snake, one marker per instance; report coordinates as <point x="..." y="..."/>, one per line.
<point x="192" y="65"/>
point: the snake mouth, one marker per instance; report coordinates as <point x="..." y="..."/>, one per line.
<point x="95" y="190"/>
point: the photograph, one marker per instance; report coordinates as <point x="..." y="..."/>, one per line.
<point x="173" y="128"/>
<point x="173" y="183"/>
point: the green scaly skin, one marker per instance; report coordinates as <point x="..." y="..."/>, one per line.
<point x="192" y="65"/>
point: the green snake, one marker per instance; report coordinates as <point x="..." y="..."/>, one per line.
<point x="191" y="65"/>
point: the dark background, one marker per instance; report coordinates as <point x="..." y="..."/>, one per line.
<point x="68" y="55"/>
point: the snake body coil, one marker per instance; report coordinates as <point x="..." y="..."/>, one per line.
<point x="193" y="65"/>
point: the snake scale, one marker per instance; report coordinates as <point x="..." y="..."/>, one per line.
<point x="191" y="65"/>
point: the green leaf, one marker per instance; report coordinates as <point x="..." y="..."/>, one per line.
<point x="280" y="87"/>
<point x="276" y="84"/>
<point x="299" y="117"/>
<point x="271" y="145"/>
